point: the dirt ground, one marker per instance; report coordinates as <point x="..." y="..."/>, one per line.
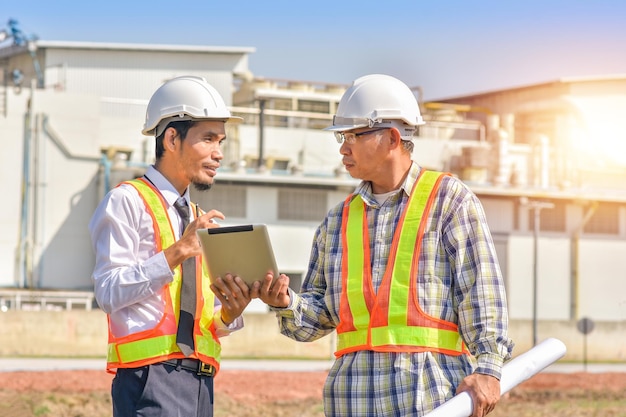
<point x="248" y="393"/>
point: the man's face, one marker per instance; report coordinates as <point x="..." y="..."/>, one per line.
<point x="199" y="155"/>
<point x="363" y="154"/>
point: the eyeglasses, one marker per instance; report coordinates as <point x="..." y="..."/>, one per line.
<point x="350" y="138"/>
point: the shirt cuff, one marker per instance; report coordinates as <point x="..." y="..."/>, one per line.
<point x="291" y="304"/>
<point x="292" y="311"/>
<point x="221" y="329"/>
<point x="490" y="364"/>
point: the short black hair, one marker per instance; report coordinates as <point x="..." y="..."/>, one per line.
<point x="181" y="127"/>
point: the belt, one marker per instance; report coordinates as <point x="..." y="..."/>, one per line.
<point x="195" y="365"/>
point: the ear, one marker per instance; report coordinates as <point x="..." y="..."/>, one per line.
<point x="169" y="139"/>
<point x="395" y="139"/>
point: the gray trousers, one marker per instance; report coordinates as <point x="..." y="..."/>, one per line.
<point x="161" y="391"/>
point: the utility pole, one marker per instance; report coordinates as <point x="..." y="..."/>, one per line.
<point x="536" y="206"/>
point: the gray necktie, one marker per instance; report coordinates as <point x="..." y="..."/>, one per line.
<point x="184" y="336"/>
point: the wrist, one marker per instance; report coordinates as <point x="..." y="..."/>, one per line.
<point x="225" y="320"/>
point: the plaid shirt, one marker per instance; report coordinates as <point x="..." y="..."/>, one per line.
<point x="459" y="281"/>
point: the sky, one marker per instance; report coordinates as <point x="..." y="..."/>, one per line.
<point x="446" y="47"/>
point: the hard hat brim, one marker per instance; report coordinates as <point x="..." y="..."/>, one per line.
<point x="150" y="131"/>
<point x="343" y="128"/>
<point x="341" y="124"/>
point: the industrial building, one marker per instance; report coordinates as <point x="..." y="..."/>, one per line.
<point x="548" y="162"/>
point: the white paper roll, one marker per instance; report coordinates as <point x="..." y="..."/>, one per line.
<point x="514" y="373"/>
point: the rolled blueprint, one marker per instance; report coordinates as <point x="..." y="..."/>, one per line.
<point x="514" y="373"/>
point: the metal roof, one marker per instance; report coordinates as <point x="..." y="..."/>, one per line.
<point x="562" y="80"/>
<point x="145" y="47"/>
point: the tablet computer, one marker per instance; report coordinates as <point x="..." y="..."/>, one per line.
<point x="243" y="250"/>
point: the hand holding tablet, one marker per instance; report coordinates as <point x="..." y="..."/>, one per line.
<point x="245" y="251"/>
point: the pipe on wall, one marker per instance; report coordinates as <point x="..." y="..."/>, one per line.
<point x="575" y="250"/>
<point x="22" y="258"/>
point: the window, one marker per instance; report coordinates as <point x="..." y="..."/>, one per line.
<point x="299" y="204"/>
<point x="550" y="219"/>
<point x="314" y="106"/>
<point x="230" y="199"/>
<point x="499" y="213"/>
<point x="605" y="220"/>
<point x="528" y="126"/>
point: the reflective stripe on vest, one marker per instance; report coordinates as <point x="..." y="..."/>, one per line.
<point x="391" y="320"/>
<point x="159" y="343"/>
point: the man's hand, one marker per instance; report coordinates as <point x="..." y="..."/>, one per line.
<point x="484" y="390"/>
<point x="272" y="291"/>
<point x="234" y="295"/>
<point x="189" y="244"/>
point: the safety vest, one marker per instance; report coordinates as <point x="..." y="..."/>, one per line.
<point x="159" y="343"/>
<point x="392" y="319"/>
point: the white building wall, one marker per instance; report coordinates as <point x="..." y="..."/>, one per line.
<point x="62" y="190"/>
<point x="135" y="74"/>
<point x="602" y="282"/>
<point x="292" y="247"/>
<point x="553" y="278"/>
<point x="65" y="190"/>
<point x="11" y="185"/>
<point x="125" y="133"/>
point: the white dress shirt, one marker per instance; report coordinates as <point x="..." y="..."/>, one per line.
<point x="129" y="275"/>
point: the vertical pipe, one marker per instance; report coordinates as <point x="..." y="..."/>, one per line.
<point x="535" y="270"/>
<point x="22" y="242"/>
<point x="544" y="155"/>
<point x="585" y="352"/>
<point x="106" y="164"/>
<point x="32" y="50"/>
<point x="35" y="202"/>
<point x="5" y="97"/>
<point x="574" y="251"/>
<point x="261" y="162"/>
<point x="40" y="184"/>
<point x="575" y="261"/>
<point x="22" y="261"/>
<point x="536" y="206"/>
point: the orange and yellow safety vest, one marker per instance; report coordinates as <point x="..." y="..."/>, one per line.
<point x="159" y="343"/>
<point x="390" y="320"/>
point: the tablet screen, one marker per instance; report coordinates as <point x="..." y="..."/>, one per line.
<point x="243" y="250"/>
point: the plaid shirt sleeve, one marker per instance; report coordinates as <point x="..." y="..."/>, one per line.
<point x="477" y="287"/>
<point x="312" y="312"/>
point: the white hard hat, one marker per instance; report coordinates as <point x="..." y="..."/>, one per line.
<point x="184" y="98"/>
<point x="378" y="100"/>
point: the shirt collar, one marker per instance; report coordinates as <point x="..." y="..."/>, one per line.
<point x="167" y="190"/>
<point x="410" y="179"/>
<point x="364" y="189"/>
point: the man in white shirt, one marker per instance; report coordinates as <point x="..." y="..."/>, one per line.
<point x="164" y="320"/>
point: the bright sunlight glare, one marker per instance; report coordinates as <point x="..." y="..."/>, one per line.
<point x="603" y="134"/>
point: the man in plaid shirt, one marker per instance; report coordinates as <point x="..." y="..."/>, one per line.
<point x="404" y="270"/>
